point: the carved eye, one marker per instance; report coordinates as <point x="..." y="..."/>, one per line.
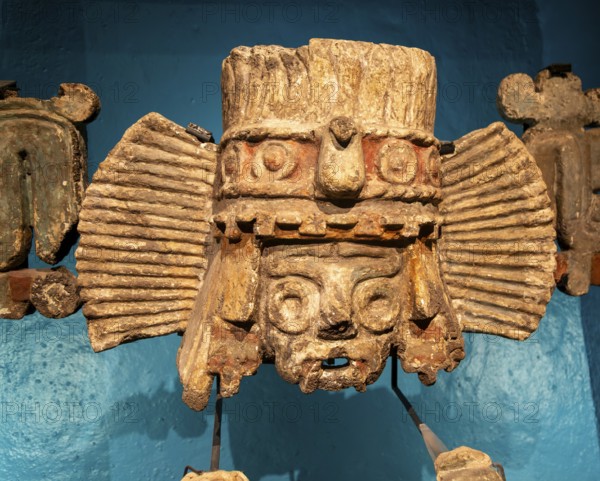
<point x="292" y="304"/>
<point x="377" y="304"/>
<point x="397" y="162"/>
<point x="277" y="158"/>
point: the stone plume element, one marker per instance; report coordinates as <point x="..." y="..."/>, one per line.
<point x="43" y="178"/>
<point x="497" y="247"/>
<point x="145" y="233"/>
<point x="322" y="234"/>
<point x="558" y="117"/>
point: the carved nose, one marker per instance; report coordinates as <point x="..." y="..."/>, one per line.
<point x="427" y="293"/>
<point x="342" y="129"/>
<point x="336" y="323"/>
<point x="341" y="169"/>
<point x="426" y="302"/>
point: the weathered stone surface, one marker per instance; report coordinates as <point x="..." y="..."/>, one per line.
<point x="465" y="464"/>
<point x="144" y="233"/>
<point x="498" y="239"/>
<point x="43" y="175"/>
<point x="43" y="167"/>
<point x="11" y="308"/>
<point x="55" y="294"/>
<point x="269" y="87"/>
<point x="339" y="232"/>
<point x="555" y="113"/>
<point x="216" y="476"/>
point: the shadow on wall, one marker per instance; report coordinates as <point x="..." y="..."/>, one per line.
<point x="275" y="429"/>
<point x="590" y="320"/>
<point x="67" y="413"/>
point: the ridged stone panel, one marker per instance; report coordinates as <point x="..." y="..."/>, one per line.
<point x="497" y="242"/>
<point x="144" y="233"/>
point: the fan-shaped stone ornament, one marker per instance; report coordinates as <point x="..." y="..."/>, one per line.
<point x="144" y="233"/>
<point x="497" y="245"/>
<point x="339" y="233"/>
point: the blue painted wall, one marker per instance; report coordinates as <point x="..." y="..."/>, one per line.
<point x="69" y="414"/>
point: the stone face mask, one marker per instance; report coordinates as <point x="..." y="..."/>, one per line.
<point x="324" y="233"/>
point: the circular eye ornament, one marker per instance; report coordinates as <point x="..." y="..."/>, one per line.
<point x="277" y="158"/>
<point x="397" y="162"/>
<point x="292" y="304"/>
<point x="376" y="304"/>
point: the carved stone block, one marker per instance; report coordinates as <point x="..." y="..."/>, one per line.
<point x="43" y="178"/>
<point x="556" y="115"/>
<point x="43" y="166"/>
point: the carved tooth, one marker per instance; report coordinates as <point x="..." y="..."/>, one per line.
<point x="342" y="220"/>
<point x="264" y="226"/>
<point x="233" y="232"/>
<point x="369" y="227"/>
<point x="313" y="225"/>
<point x="245" y="217"/>
<point x="392" y="222"/>
<point x="310" y="379"/>
<point x="288" y="219"/>
<point x="410" y="230"/>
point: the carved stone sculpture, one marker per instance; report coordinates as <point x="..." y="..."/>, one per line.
<point x="42" y="181"/>
<point x="556" y="115"/>
<point x="324" y="233"/>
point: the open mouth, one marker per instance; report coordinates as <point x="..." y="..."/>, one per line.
<point x="335" y="363"/>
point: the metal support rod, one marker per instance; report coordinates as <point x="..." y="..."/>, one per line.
<point x="407" y="405"/>
<point x="215" y="455"/>
<point x="434" y="445"/>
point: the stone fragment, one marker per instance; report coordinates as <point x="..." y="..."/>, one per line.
<point x="466" y="464"/>
<point x="43" y="176"/>
<point x="216" y="476"/>
<point x="560" y="122"/>
<point x="43" y="171"/>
